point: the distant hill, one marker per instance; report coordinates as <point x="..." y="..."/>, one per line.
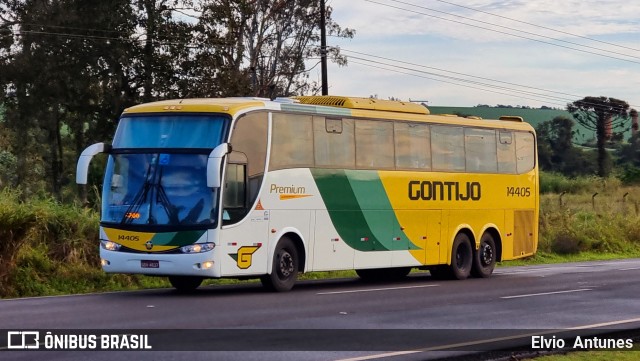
<point x="531" y="116"/>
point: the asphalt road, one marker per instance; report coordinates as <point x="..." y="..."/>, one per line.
<point x="344" y="319"/>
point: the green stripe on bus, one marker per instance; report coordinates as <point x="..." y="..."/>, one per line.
<point x="360" y="210"/>
<point x="377" y="209"/>
<point x="177" y="239"/>
<point x="344" y="210"/>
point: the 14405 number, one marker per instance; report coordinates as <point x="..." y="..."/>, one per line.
<point x="518" y="191"/>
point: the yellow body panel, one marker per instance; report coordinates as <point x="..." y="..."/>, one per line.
<point x="474" y="202"/>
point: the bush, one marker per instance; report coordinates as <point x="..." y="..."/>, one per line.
<point x="67" y="233"/>
<point x="558" y="183"/>
<point x="17" y="219"/>
<point x="566" y="243"/>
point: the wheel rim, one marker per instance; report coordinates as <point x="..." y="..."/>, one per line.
<point x="286" y="264"/>
<point x="486" y="254"/>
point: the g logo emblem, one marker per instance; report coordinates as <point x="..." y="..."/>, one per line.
<point x="244" y="256"/>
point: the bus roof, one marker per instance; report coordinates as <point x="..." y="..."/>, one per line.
<point x="339" y="106"/>
<point x="199" y="105"/>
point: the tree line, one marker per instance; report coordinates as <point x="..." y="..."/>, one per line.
<point x="609" y="118"/>
<point x="68" y="68"/>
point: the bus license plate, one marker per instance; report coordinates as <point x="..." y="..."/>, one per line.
<point x="150" y="264"/>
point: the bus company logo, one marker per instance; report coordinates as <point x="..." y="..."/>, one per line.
<point x="148" y="245"/>
<point x="244" y="257"/>
<point x="289" y="192"/>
<point x="23" y="340"/>
<point x="444" y="191"/>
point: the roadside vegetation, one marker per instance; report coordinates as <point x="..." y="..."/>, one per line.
<point x="51" y="248"/>
<point x="603" y="355"/>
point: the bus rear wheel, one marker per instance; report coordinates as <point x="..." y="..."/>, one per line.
<point x="284" y="271"/>
<point x="484" y="260"/>
<point x="185" y="283"/>
<point x="461" y="257"/>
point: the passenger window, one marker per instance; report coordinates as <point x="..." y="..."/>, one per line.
<point x="480" y="150"/>
<point x="374" y="144"/>
<point x="413" y="149"/>
<point x="292" y="141"/>
<point x="506" y="153"/>
<point x="447" y="148"/>
<point x="334" y="143"/>
<point x="525" y="152"/>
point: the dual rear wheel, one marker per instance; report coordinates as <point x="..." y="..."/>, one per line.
<point x="465" y="261"/>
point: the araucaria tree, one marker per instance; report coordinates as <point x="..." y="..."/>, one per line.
<point x="603" y="115"/>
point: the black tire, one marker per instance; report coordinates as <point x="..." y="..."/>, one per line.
<point x="461" y="257"/>
<point x="284" y="271"/>
<point x="484" y="260"/>
<point x="383" y="274"/>
<point x="185" y="283"/>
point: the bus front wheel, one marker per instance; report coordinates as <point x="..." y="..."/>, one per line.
<point x="284" y="271"/>
<point x="461" y="257"/>
<point x="185" y="283"/>
<point x="484" y="260"/>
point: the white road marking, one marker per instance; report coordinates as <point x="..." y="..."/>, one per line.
<point x="629" y="269"/>
<point x="480" y="342"/>
<point x="546" y="293"/>
<point x="515" y="272"/>
<point x="375" y="290"/>
<point x="380" y="355"/>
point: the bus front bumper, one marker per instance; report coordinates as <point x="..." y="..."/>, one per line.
<point x="196" y="264"/>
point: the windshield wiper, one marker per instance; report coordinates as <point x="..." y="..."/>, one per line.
<point x="163" y="199"/>
<point x="152" y="184"/>
<point x="139" y="199"/>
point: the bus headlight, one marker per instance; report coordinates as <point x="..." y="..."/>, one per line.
<point x="110" y="246"/>
<point x="198" y="248"/>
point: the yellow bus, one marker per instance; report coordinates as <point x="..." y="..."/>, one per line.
<point x="258" y="188"/>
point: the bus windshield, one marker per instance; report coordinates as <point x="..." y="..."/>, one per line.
<point x="170" y="131"/>
<point x="156" y="173"/>
<point x="158" y="189"/>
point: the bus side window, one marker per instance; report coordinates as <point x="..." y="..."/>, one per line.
<point x="374" y="144"/>
<point x="447" y="148"/>
<point x="480" y="150"/>
<point x="235" y="193"/>
<point x="525" y="152"/>
<point x="245" y="165"/>
<point x="334" y="143"/>
<point x="292" y="141"/>
<point x="413" y="146"/>
<point x="506" y="153"/>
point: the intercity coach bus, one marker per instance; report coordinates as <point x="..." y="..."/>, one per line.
<point x="258" y="188"/>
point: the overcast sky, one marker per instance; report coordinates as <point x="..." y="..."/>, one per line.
<point x="415" y="54"/>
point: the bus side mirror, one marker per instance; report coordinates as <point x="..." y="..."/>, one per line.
<point x="82" y="169"/>
<point x="214" y="164"/>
